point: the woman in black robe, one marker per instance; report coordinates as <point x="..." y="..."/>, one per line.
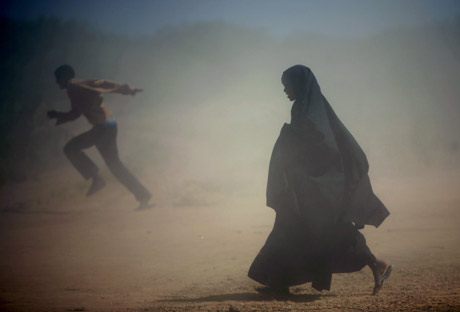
<point x="318" y="184"/>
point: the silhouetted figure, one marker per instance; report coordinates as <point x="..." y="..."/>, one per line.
<point x="318" y="185"/>
<point x="86" y="99"/>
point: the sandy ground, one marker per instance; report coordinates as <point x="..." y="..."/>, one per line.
<point x="63" y="252"/>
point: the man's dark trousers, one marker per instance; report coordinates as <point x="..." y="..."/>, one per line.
<point x="104" y="137"/>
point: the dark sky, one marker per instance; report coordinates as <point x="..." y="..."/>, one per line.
<point x="333" y="17"/>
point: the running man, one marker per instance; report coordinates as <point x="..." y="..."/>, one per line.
<point x="86" y="99"/>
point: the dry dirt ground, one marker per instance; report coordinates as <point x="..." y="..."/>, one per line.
<point x="63" y="252"/>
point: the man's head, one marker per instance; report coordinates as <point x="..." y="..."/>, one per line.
<point x="63" y="74"/>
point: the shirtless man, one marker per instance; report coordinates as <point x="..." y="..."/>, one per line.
<point x="86" y="99"/>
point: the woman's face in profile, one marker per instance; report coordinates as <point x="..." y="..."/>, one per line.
<point x="287" y="88"/>
<point x="290" y="93"/>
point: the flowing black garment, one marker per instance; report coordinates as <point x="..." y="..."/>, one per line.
<point x="318" y="185"/>
<point x="293" y="254"/>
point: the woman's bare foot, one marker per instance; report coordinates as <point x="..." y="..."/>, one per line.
<point x="381" y="272"/>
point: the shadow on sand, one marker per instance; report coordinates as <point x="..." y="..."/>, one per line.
<point x="246" y="297"/>
<point x="24" y="208"/>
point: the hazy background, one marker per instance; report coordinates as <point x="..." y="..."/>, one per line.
<point x="200" y="138"/>
<point x="213" y="103"/>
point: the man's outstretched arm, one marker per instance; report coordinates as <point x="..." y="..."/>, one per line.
<point x="107" y="86"/>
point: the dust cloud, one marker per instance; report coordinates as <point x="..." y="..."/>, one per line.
<point x="199" y="137"/>
<point x="213" y="103"/>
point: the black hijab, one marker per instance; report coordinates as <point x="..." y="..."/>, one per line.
<point x="343" y="188"/>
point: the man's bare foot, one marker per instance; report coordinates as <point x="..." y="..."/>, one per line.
<point x="144" y="203"/>
<point x="97" y="184"/>
<point x="381" y="272"/>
